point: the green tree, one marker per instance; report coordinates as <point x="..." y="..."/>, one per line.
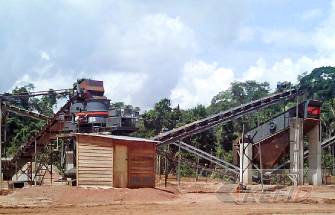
<point x="18" y="128"/>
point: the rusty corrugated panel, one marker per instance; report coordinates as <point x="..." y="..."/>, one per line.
<point x="273" y="149"/>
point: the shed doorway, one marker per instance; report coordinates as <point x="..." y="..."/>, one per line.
<point x="120" y="166"/>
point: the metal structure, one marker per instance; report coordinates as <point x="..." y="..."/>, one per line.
<point x="87" y="110"/>
<point x="176" y="136"/>
<point x="273" y="135"/>
<point x="23" y="112"/>
<point x="282" y="135"/>
<point x="229" y="168"/>
<point x="222" y="117"/>
<point x="324" y="144"/>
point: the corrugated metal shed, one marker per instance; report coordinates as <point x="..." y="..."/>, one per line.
<point x="115" y="161"/>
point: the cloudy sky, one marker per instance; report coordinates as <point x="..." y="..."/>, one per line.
<point x="187" y="51"/>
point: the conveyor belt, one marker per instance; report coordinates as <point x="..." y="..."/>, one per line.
<point x="23" y="112"/>
<point x="222" y="117"/>
<point x="27" y="149"/>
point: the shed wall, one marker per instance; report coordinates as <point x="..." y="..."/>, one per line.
<point x="94" y="164"/>
<point x="95" y="157"/>
<point x="141" y="165"/>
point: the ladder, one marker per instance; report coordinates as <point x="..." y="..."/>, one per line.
<point x="40" y="173"/>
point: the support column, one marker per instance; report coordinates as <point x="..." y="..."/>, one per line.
<point x="245" y="163"/>
<point x="314" y="158"/>
<point x="297" y="150"/>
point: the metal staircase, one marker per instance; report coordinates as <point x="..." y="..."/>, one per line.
<point x="328" y="142"/>
<point x="27" y="151"/>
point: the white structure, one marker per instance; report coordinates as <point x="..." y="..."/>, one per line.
<point x="245" y="163"/>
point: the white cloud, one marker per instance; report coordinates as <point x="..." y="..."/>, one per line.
<point x="139" y="63"/>
<point x="284" y="70"/>
<point x="123" y="87"/>
<point x="144" y="52"/>
<point x="45" y="56"/>
<point x="199" y="82"/>
<point x="118" y="86"/>
<point x="41" y="83"/>
<point x="322" y="40"/>
<point x="255" y="72"/>
<point x="157" y="45"/>
<point x="325" y="34"/>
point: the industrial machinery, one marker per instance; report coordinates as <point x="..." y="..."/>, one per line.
<point x="91" y="112"/>
<point x="87" y="110"/>
<point x="274" y="135"/>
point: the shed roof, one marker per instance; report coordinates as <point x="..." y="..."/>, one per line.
<point x="116" y="137"/>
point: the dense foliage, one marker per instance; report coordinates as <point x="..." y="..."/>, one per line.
<point x="17" y="128"/>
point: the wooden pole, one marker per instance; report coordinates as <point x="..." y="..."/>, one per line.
<point x="166" y="166"/>
<point x="51" y="159"/>
<point x="16" y="176"/>
<point x="196" y="170"/>
<point x="261" y="164"/>
<point x="159" y="167"/>
<point x="31" y="171"/>
<point x="35" y="183"/>
<point x="178" y="172"/>
<point x="5" y="134"/>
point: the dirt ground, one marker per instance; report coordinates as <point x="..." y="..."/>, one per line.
<point x="189" y="198"/>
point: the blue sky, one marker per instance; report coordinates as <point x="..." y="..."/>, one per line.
<point x="187" y="51"/>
